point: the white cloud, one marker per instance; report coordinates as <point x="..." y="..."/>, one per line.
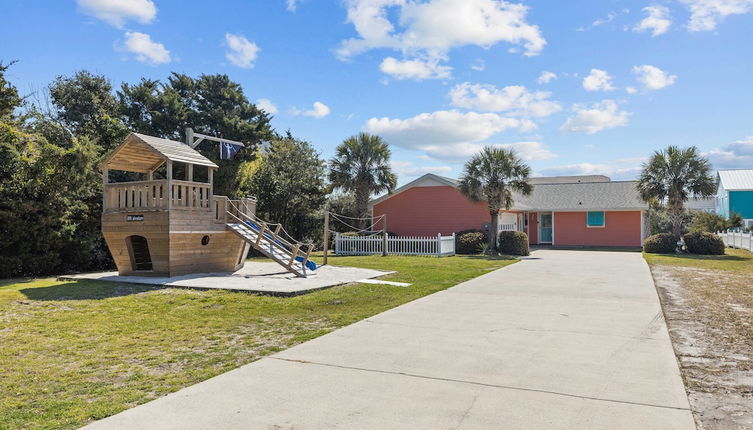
<point x="631" y="90"/>
<point x="601" y="21"/>
<point x="446" y="135"/>
<point x="595" y="118"/>
<point x="439" y="25"/>
<point x="515" y="100"/>
<point x="430" y="29"/>
<point x="529" y="151"/>
<point x="292" y="5"/>
<point x="415" y="69"/>
<point x="407" y="168"/>
<point x="118" y="12"/>
<point x="598" y="80"/>
<point x="479" y="65"/>
<point x="318" y="111"/>
<point x="545" y="77"/>
<point x="146" y="50"/>
<point x="623" y="169"/>
<point x="241" y="51"/>
<point x="267" y="106"/>
<point x="653" y="78"/>
<point x="735" y="155"/>
<point x="705" y="15"/>
<point x="442" y="127"/>
<point x="657" y="20"/>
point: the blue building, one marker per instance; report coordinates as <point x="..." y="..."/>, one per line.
<point x="735" y="194"/>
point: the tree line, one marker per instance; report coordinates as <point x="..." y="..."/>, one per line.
<point x="51" y="144"/>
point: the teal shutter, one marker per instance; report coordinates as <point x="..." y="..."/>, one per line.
<point x="595" y="219"/>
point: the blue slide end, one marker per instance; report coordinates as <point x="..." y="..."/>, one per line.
<point x="309" y="264"/>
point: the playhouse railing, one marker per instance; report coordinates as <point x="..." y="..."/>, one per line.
<point x="271" y="238"/>
<point x="157" y="195"/>
<point x="223" y="206"/>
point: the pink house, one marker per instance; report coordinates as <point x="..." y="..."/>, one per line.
<point x="561" y="211"/>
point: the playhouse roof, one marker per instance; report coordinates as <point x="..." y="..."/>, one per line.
<point x="736" y="179"/>
<point x="142" y="153"/>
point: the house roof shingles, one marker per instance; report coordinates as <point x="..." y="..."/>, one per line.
<point x="613" y="195"/>
<point x="562" y="193"/>
<point x="175" y="151"/>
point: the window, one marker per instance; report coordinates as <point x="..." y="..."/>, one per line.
<point x="595" y="219"/>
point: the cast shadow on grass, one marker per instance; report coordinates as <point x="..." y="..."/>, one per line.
<point x="86" y="290"/>
<point x="726" y="257"/>
<point x="489" y="257"/>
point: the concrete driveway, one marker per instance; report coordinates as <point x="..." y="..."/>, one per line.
<point x="561" y="340"/>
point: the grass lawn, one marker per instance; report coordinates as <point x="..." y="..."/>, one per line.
<point x="73" y="352"/>
<point x="735" y="260"/>
<point x="708" y="305"/>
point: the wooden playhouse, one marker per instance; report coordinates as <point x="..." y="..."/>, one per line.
<point x="176" y="226"/>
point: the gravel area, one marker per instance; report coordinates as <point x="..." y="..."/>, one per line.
<point x="710" y="318"/>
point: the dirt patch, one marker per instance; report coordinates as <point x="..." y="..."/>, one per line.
<point x="710" y="318"/>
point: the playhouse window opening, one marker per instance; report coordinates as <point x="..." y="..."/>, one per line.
<point x="141" y="259"/>
<point x="201" y="174"/>
<point x="205" y="240"/>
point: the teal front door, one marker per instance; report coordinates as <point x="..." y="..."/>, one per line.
<point x="546" y="228"/>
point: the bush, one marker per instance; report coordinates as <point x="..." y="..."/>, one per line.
<point x="662" y="243"/>
<point x="513" y="243"/>
<point x="469" y="241"/>
<point x="708" y="222"/>
<point x="704" y="243"/>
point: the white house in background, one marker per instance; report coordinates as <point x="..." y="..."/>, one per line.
<point x="704" y="204"/>
<point x="735" y="194"/>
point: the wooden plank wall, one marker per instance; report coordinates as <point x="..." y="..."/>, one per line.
<point x="174" y="239"/>
<point x="154" y="228"/>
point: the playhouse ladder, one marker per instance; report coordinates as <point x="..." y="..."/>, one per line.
<point x="268" y="243"/>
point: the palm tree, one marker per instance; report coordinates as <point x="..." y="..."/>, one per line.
<point x="362" y="166"/>
<point x="493" y="175"/>
<point x="674" y="175"/>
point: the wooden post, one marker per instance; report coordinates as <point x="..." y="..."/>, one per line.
<point x="105" y="181"/>
<point x="326" y="234"/>
<point x="169" y="184"/>
<point x="150" y="175"/>
<point x="189" y="173"/>
<point x="384" y="235"/>
<point x="210" y="179"/>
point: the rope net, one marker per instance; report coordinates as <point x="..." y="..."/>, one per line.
<point x="355" y="229"/>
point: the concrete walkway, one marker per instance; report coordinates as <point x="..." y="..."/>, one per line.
<point x="561" y="340"/>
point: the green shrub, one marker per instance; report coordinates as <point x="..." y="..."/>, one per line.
<point x="513" y="243"/>
<point x="662" y="243"/>
<point x="469" y="241"/>
<point x="699" y="242"/>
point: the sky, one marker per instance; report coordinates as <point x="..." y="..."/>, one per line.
<point x="575" y="87"/>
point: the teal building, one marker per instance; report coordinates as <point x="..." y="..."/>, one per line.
<point x="735" y="194"/>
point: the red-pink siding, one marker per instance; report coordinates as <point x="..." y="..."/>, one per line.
<point x="620" y="229"/>
<point x="426" y="211"/>
<point x="533" y="228"/>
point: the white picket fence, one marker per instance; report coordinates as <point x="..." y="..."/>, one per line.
<point x="440" y="246"/>
<point x="737" y="239"/>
